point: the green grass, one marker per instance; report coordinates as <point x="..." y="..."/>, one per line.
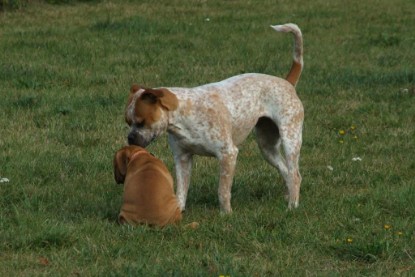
<point x="65" y="71"/>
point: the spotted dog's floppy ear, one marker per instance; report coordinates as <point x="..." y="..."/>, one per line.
<point x="166" y="98"/>
<point x="134" y="88"/>
<point x="149" y="96"/>
<point x="120" y="162"/>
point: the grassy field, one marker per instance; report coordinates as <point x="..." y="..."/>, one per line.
<point x="65" y="72"/>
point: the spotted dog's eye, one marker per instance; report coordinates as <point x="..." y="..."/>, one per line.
<point x="139" y="124"/>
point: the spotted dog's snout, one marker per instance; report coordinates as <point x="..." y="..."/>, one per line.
<point x="135" y="139"/>
<point x="131" y="139"/>
<point x="139" y="139"/>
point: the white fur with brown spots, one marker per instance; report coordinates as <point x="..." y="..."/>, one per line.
<point x="213" y="119"/>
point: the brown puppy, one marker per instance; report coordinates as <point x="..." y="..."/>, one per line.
<point x="148" y="188"/>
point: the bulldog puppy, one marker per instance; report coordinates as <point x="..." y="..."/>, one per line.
<point x="148" y="188"/>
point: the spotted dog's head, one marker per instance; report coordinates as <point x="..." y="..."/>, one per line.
<point x="145" y="113"/>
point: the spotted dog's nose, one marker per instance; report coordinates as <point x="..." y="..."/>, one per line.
<point x="131" y="139"/>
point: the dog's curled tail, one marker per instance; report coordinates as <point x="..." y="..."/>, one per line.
<point x="298" y="64"/>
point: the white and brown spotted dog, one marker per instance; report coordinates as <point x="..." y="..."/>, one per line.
<point x="213" y="119"/>
<point x="148" y="188"/>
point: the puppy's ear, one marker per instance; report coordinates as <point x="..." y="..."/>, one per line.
<point x="166" y="98"/>
<point x="120" y="165"/>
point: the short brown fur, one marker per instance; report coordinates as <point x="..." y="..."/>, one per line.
<point x="148" y="188"/>
<point x="294" y="74"/>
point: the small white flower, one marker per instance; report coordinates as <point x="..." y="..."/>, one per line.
<point x="329" y="167"/>
<point x="207" y="19"/>
<point x="355" y="159"/>
<point x="356" y="219"/>
<point x="4" y="180"/>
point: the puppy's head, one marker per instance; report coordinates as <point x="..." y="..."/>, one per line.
<point x="145" y="113"/>
<point x="121" y="159"/>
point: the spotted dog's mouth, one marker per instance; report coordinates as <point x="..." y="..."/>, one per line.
<point x="142" y="141"/>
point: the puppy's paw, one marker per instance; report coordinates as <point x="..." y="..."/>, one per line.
<point x="194" y="225"/>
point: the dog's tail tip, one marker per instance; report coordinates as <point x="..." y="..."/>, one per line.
<point x="286" y="28"/>
<point x="297" y="66"/>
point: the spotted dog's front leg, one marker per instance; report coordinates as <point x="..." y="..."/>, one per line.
<point x="183" y="167"/>
<point x="227" y="171"/>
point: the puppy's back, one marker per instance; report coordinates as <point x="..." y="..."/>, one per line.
<point x="148" y="194"/>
